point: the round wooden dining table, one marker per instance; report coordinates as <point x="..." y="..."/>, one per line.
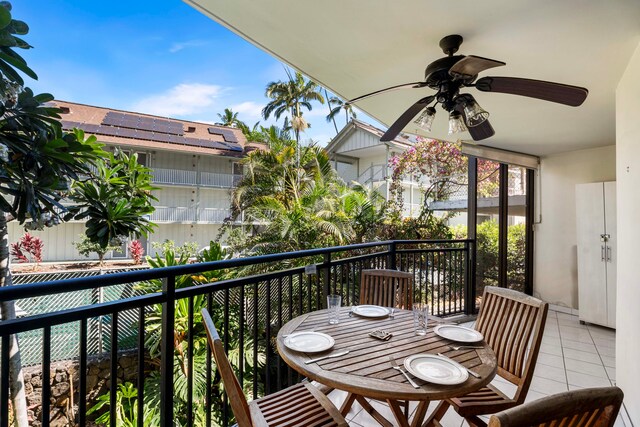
<point x="366" y="371"/>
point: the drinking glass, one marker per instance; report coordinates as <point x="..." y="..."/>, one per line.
<point x="420" y="315"/>
<point x="333" y="308"/>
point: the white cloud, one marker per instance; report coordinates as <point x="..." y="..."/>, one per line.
<point x="248" y="110"/>
<point x="180" y="100"/>
<point x="178" y="46"/>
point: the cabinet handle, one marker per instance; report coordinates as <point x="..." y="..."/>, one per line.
<point x="608" y="253"/>
<point x="602" y="250"/>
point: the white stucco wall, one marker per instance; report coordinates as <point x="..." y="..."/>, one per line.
<point x="555" y="275"/>
<point x="628" y="197"/>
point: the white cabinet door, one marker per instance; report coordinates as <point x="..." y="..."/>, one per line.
<point x="592" y="290"/>
<point x="611" y="230"/>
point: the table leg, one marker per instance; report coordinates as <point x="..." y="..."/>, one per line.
<point x="366" y="406"/>
<point x="397" y="413"/>
<point x="421" y="412"/>
<point x="347" y="404"/>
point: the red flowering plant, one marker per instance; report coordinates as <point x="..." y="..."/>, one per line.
<point x="136" y="250"/>
<point x="28" y="249"/>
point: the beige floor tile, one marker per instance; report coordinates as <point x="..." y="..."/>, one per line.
<point x="611" y="372"/>
<point x="555" y="350"/>
<point x="585" y="380"/>
<point x="607" y="351"/>
<point x="608" y="361"/>
<point x="584" y="356"/>
<point x="595" y="369"/>
<point x="573" y="334"/>
<point x="551" y="373"/>
<point x="547" y="386"/>
<point x="534" y="395"/>
<point x="577" y="345"/>
<point x="604" y="342"/>
<point x="551" y="360"/>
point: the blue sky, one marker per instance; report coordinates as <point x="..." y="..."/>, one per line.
<point x="158" y="57"/>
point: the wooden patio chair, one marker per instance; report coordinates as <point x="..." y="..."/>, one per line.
<point x="591" y="407"/>
<point x="299" y="405"/>
<point x="512" y="324"/>
<point x="386" y="288"/>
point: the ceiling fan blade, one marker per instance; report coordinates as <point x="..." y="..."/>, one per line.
<point x="471" y="65"/>
<point x="482" y="131"/>
<point x="377" y="92"/>
<point x="547" y="91"/>
<point x="405" y="118"/>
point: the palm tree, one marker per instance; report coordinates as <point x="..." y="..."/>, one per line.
<point x="298" y="207"/>
<point x="349" y="112"/>
<point x="230" y="119"/>
<point x="289" y="97"/>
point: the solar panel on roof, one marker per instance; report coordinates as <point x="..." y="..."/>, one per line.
<point x="227" y="134"/>
<point x="133" y="121"/>
<point x="138" y="133"/>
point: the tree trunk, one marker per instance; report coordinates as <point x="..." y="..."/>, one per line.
<point x="16" y="378"/>
<point x="333" y="118"/>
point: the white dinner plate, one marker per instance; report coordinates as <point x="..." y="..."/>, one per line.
<point x="370" y="311"/>
<point x="458" y="333"/>
<point x="436" y="369"/>
<point x="309" y="342"/>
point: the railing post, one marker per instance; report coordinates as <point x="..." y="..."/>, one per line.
<point x="470" y="279"/>
<point x="166" y="367"/>
<point x="326" y="278"/>
<point x="470" y="246"/>
<point x="391" y="258"/>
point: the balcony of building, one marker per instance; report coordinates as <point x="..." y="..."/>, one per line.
<point x="136" y="325"/>
<point x="164" y="176"/>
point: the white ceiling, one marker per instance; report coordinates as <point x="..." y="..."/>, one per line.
<point x="358" y="46"/>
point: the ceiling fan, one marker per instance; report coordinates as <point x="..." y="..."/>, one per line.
<point x="450" y="74"/>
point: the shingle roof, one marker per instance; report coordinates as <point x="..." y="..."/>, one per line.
<point x="117" y="127"/>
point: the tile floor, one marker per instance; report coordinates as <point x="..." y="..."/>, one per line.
<point x="572" y="356"/>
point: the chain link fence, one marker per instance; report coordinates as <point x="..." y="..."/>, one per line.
<point x="65" y="343"/>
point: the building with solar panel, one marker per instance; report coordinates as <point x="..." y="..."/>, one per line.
<point x="194" y="164"/>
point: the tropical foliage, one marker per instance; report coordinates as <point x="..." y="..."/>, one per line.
<point x="85" y="247"/>
<point x="115" y="201"/>
<point x="298" y="201"/>
<point x="28" y="249"/>
<point x="288" y="98"/>
<point x="38" y="161"/>
<point x="336" y="106"/>
<point x="487" y="254"/>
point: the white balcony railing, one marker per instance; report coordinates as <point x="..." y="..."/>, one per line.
<point x="174" y="176"/>
<point x="223" y="180"/>
<point x="190" y="214"/>
<point x="183" y="177"/>
<point x="213" y="215"/>
<point x="173" y="214"/>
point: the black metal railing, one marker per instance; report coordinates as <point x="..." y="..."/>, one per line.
<point x="250" y="300"/>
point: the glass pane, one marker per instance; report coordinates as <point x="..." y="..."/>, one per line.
<point x="487" y="227"/>
<point x="517" y="217"/>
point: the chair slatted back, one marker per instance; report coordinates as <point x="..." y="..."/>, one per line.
<point x="232" y="387"/>
<point x="386" y="288"/>
<point x="594" y="407"/>
<point x="512" y="324"/>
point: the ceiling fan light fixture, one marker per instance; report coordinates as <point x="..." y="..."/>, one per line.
<point x="476" y="115"/>
<point x="456" y="123"/>
<point x="425" y="119"/>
